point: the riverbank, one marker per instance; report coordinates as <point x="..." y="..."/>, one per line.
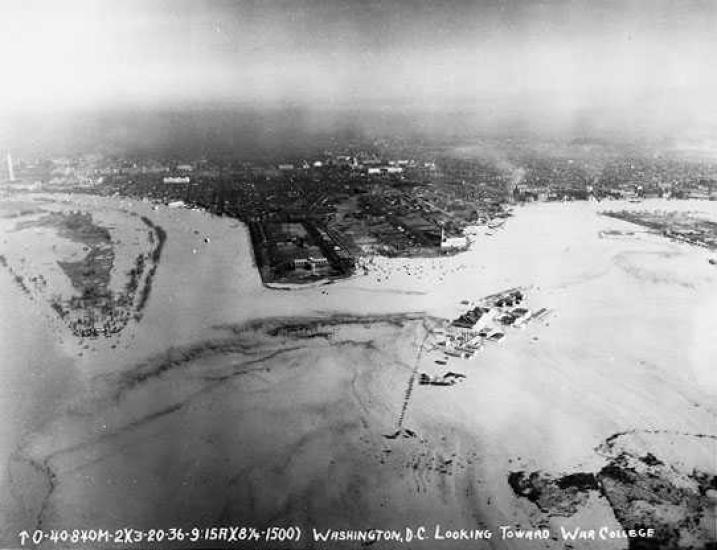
<point x="221" y="406"/>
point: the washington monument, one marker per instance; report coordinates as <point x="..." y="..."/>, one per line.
<point x="10" y="170"/>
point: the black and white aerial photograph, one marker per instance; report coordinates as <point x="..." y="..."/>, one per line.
<point x="345" y="274"/>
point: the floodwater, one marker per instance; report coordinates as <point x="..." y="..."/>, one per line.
<point x="140" y="435"/>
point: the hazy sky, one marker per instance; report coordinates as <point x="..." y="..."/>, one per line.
<point x="563" y="56"/>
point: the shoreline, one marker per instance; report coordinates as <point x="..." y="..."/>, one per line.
<point x="242" y="384"/>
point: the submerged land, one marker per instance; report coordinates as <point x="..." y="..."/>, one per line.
<point x="399" y="275"/>
<point x="221" y="401"/>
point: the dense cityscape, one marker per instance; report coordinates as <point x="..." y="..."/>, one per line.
<point x="312" y="218"/>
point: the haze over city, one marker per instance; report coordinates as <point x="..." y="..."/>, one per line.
<point x="561" y="67"/>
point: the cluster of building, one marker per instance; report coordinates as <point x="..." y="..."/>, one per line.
<point x="391" y="199"/>
<point x="483" y="322"/>
<point x="628" y="177"/>
<point x="297" y="251"/>
<point x="364" y="163"/>
<point x="292" y="248"/>
<point x="486" y="321"/>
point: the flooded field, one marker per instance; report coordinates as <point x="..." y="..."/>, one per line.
<point x="229" y="402"/>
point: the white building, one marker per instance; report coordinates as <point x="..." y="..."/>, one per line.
<point x="176" y="179"/>
<point x="453" y="243"/>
